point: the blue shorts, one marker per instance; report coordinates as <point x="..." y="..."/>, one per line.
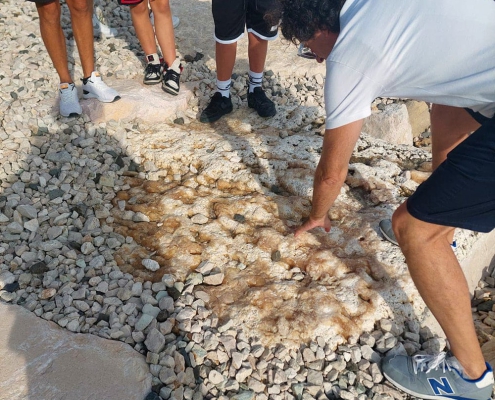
<point x="461" y="191"/>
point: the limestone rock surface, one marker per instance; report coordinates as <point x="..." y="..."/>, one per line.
<point x="39" y="360"/>
<point x="391" y="124"/>
<point x="254" y="188"/>
<point x="137" y="100"/>
<point x="419" y="116"/>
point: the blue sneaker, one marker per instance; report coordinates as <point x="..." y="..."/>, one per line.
<point x="436" y="376"/>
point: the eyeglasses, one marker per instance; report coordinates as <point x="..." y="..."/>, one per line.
<point x="305" y="52"/>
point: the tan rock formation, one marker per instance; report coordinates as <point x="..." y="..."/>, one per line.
<point x="391" y="124"/>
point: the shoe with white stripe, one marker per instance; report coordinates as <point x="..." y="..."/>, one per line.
<point x="438" y="376"/>
<point x="171" y="78"/>
<point x="69" y="101"/>
<point x="95" y="88"/>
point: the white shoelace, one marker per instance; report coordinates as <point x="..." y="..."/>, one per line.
<point x="429" y="363"/>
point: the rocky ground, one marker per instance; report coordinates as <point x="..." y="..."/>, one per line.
<point x="175" y="238"/>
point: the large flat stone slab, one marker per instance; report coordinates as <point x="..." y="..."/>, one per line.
<point x="149" y="103"/>
<point x="41" y="361"/>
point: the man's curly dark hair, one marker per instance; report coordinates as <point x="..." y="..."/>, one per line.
<point x="301" y="19"/>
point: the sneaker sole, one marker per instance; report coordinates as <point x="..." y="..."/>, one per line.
<point x="271" y="114"/>
<point x="422" y="396"/>
<point x="170" y="90"/>
<point x="388" y="237"/>
<point x="215" y="118"/>
<point x="94" y="96"/>
<point x="152" y="82"/>
<point x="71" y="115"/>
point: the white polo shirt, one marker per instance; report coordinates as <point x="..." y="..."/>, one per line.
<point x="440" y="51"/>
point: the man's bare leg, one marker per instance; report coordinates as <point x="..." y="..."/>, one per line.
<point x="449" y="127"/>
<point x="54" y="39"/>
<point x="81" y="14"/>
<point x="441" y="283"/>
<point x="429" y="256"/>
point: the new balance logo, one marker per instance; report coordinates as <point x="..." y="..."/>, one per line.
<point x="438" y="386"/>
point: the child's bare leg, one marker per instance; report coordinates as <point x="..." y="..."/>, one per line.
<point x="142" y="25"/>
<point x="164" y="29"/>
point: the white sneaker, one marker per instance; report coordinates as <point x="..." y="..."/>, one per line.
<point x="95" y="88"/>
<point x="69" y="102"/>
<point x="99" y="28"/>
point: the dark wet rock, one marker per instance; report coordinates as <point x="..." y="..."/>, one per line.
<point x="162" y="316"/>
<point x="152" y="396"/>
<point x="39" y="268"/>
<point x="80" y="208"/>
<point x="275" y="189"/>
<point x="120" y="161"/>
<point x="103" y="317"/>
<point x="75" y="245"/>
<point x="173" y="292"/>
<point x="55" y="172"/>
<point x="239" y="218"/>
<point x="276" y="256"/>
<point x="11" y="287"/>
<point x="53" y="194"/>
<point x="486" y="306"/>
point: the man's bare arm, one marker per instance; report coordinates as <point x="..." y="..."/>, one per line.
<point x="331" y="172"/>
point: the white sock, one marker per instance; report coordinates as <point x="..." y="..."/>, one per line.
<point x="224" y="87"/>
<point x="255" y="80"/>
<point x="176" y="66"/>
<point x="153" y="58"/>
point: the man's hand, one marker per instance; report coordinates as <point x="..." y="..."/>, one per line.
<point x="330" y="173"/>
<point x="314" y="223"/>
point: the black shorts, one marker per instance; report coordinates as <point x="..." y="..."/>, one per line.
<point x="461" y="191"/>
<point x="233" y="16"/>
<point x="42" y="1"/>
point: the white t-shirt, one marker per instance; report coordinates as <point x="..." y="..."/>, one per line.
<point x="440" y="51"/>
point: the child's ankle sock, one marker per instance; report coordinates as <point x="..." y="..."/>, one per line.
<point x="153" y="59"/>
<point x="224" y="87"/>
<point x="255" y="80"/>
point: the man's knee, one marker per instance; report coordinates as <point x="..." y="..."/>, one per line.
<point x="401" y="224"/>
<point x="411" y="232"/>
<point x="49" y="13"/>
<point x="451" y="120"/>
<point x="80" y="6"/>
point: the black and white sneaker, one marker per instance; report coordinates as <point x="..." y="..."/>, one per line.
<point x="153" y="71"/>
<point x="152" y="74"/>
<point x="171" y="78"/>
